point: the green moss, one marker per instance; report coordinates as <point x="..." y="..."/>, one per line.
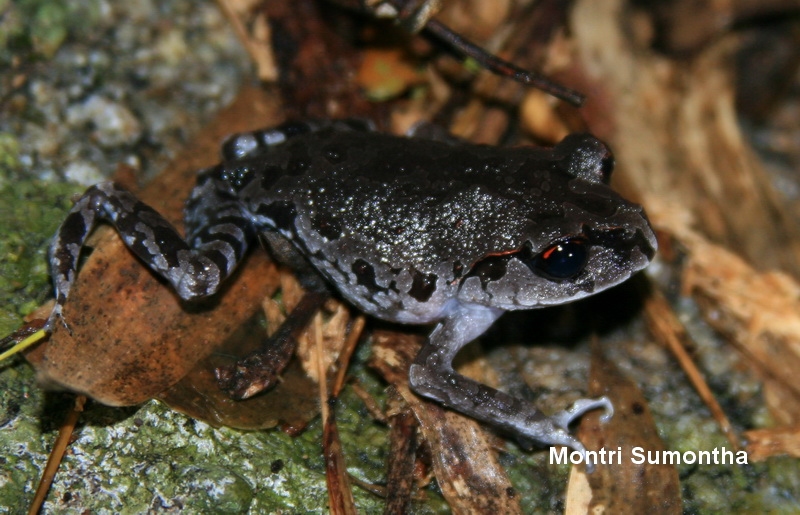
<point x="539" y="485"/>
<point x="9" y="156"/>
<point x="135" y="460"/>
<point x="30" y="212"/>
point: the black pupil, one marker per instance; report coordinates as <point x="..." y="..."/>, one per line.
<point x="562" y="260"/>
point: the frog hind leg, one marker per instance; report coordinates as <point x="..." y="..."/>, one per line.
<point x="432" y="376"/>
<point x="260" y="370"/>
<point x="193" y="271"/>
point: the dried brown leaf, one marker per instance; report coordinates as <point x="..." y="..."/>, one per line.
<point x="291" y="404"/>
<point x="623" y="486"/>
<point x="131" y="337"/>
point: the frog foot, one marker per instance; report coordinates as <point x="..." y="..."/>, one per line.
<point x="581" y="407"/>
<point x="563" y="420"/>
<point x="56" y="315"/>
<point x="249" y="376"/>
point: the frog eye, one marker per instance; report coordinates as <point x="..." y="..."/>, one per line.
<point x="561" y="260"/>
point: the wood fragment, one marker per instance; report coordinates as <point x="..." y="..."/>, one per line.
<point x="678" y="144"/>
<point x="758" y="312"/>
<point x="369" y="402"/>
<point x="349" y="347"/>
<point x="464" y="460"/>
<point x="686" y="26"/>
<point x="256" y="40"/>
<point x="765" y="443"/>
<point x="340" y="494"/>
<point x="402" y="452"/>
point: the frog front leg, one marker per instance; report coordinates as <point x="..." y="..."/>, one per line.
<point x="194" y="271"/>
<point x="432" y="375"/>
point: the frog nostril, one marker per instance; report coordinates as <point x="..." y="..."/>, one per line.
<point x="564" y="259"/>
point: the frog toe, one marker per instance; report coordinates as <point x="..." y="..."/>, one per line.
<point x="582" y="406"/>
<point x="56" y="315"/>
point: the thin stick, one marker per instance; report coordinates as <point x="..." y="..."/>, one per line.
<point x="56" y="455"/>
<point x="666" y="327"/>
<point x="24" y="344"/>
<point x="347" y="353"/>
<point x="340" y="495"/>
<point x="502" y="67"/>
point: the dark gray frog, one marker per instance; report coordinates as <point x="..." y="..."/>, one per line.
<point x="409" y="230"/>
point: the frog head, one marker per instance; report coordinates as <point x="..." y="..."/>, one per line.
<point x="578" y="238"/>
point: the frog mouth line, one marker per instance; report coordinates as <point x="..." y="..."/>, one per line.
<point x="494" y="266"/>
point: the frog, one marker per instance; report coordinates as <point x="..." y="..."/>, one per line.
<point x="424" y="230"/>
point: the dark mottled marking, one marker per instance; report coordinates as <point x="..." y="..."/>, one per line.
<point x="192" y="203"/>
<point x="337" y="265"/>
<point x="219" y="259"/>
<point x="606" y="168"/>
<point x="490" y="269"/>
<point x="212" y="234"/>
<point x="328" y="227"/>
<point x="230" y="219"/>
<point x="600" y="206"/>
<point x="276" y="466"/>
<point x="64" y="260"/>
<point x="128" y="219"/>
<point x="268" y="176"/>
<point x="282" y="214"/>
<point x="74" y="228"/>
<point x="422" y="286"/>
<point x="365" y="275"/>
<point x="165" y="239"/>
